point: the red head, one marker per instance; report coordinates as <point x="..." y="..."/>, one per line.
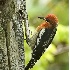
<point x="51" y="21"/>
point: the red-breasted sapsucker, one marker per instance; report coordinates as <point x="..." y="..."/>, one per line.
<point x="42" y="38"/>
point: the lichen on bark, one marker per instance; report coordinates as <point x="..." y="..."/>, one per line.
<point x="12" y="35"/>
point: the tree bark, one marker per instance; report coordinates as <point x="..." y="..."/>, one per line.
<point x="11" y="34"/>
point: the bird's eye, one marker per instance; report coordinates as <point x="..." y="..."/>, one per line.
<point x="47" y="20"/>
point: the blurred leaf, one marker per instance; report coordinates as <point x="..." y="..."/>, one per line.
<point x="62" y="34"/>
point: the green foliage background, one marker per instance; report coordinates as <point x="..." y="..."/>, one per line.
<point x="50" y="61"/>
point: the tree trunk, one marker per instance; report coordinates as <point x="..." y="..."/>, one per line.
<point x="11" y="34"/>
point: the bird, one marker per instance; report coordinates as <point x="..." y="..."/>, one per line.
<point x="42" y="38"/>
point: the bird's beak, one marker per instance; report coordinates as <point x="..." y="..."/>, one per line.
<point x="42" y="18"/>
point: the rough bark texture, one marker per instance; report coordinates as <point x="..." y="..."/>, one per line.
<point x="11" y="34"/>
